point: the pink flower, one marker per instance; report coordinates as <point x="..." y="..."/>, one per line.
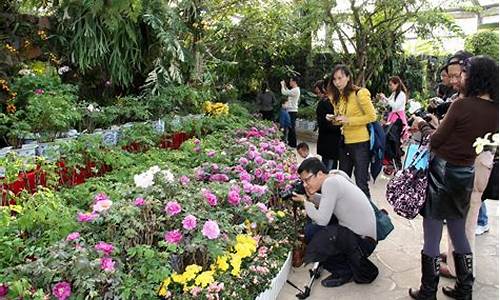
<point x="263" y="208"/>
<point x="263" y="251"/>
<point x="189" y="222"/>
<point x="100" y="197"/>
<point x="211" y="230"/>
<point x="264" y="146"/>
<point x="104" y="247"/>
<point x="209" y="197"/>
<point x="184" y="180"/>
<point x="73" y="236"/>
<point x="173" y="208"/>
<point x="233" y="197"/>
<point x="219" y="178"/>
<point x="199" y="174"/>
<point x="280" y="177"/>
<point x="196" y="141"/>
<point x="39" y="91"/>
<point x="107" y="264"/>
<point x="139" y="202"/>
<point x="259" y="160"/>
<point x="247" y="199"/>
<point x="62" y="290"/>
<point x="173" y="237"/>
<point x="265" y="177"/>
<point x="86" y="217"/>
<point x="211" y="153"/>
<point x="258" y="173"/>
<point x="251" y="154"/>
<point x="197" y="149"/>
<point x="247" y="187"/>
<point x="4" y="290"/>
<point x="243" y="161"/>
<point x="244" y="176"/>
<point x="102" y="205"/>
<point x="195" y="291"/>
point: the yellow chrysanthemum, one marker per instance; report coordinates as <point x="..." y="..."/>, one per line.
<point x="205" y="278"/>
<point x="236" y="264"/>
<point x="222" y="263"/>
<point x="280" y="214"/>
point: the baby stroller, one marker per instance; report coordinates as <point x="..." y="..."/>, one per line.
<point x="393" y="150"/>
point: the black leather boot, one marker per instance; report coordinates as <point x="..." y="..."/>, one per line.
<point x="430" y="279"/>
<point x="465" y="278"/>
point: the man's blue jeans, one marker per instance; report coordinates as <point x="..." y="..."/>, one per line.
<point x="482" y="219"/>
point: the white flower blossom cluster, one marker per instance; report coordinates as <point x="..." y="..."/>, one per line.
<point x="480" y="142"/>
<point x="146" y="179"/>
<point x="92" y="108"/>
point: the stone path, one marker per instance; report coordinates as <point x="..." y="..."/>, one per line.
<point x="398" y="260"/>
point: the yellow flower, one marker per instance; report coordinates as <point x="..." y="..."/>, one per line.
<point x="236" y="264"/>
<point x="163" y="288"/>
<point x="280" y="213"/>
<point x="205" y="279"/>
<point x="222" y="263"/>
<point x="179" y="278"/>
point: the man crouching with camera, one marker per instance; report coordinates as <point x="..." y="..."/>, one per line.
<point x="343" y="233"/>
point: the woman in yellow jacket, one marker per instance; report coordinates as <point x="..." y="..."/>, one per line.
<point x="354" y="110"/>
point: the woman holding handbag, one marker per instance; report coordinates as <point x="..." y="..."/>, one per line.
<point x="354" y="111"/>
<point x="451" y="174"/>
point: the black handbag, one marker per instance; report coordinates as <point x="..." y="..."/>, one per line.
<point x="491" y="191"/>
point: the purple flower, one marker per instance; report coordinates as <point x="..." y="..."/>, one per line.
<point x="258" y="173"/>
<point x="173" y="208"/>
<point x="265" y="177"/>
<point x="209" y="197"/>
<point x="215" y="167"/>
<point x="196" y="141"/>
<point x="62" y="290"/>
<point x="86" y="217"/>
<point x="233" y="197"/>
<point x="197" y="149"/>
<point x="219" y="178"/>
<point x="259" y="160"/>
<point x="4" y="290"/>
<point x="244" y="176"/>
<point x="280" y="177"/>
<point x="264" y="146"/>
<point x="107" y="264"/>
<point x="211" y="153"/>
<point x="39" y="91"/>
<point x="243" y="161"/>
<point x="184" y="180"/>
<point x="259" y="190"/>
<point x="73" y="236"/>
<point x="262" y="207"/>
<point x="280" y="149"/>
<point x="104" y="247"/>
<point x="247" y="187"/>
<point x="246" y="199"/>
<point x="173" y="237"/>
<point x="211" y="230"/>
<point x="251" y="154"/>
<point x="189" y="222"/>
<point x="139" y="202"/>
<point x="100" y="197"/>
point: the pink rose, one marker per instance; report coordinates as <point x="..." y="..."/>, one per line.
<point x="173" y="208"/>
<point x="189" y="222"/>
<point x="104" y="247"/>
<point x="62" y="290"/>
<point x="39" y="91"/>
<point x="211" y="230"/>
<point x="73" y="236"/>
<point x="107" y="264"/>
<point x="184" y="180"/>
<point x="86" y="217"/>
<point x="139" y="202"/>
<point x="173" y="237"/>
<point x="233" y="197"/>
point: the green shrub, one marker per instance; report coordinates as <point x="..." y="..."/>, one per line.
<point x="483" y="43"/>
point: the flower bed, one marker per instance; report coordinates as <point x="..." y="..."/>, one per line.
<point x="205" y="224"/>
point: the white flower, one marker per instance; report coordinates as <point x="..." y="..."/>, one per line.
<point x="63" y="70"/>
<point x="169" y="177"/>
<point x="102" y="205"/>
<point x="24" y="72"/>
<point x="154" y="169"/>
<point x="144" y="180"/>
<point x="90" y="108"/>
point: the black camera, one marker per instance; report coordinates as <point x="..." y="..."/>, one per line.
<point x="422" y="114"/>
<point x="297" y="187"/>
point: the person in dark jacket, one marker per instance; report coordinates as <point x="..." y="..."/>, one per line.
<point x="285" y="122"/>
<point x="328" y="134"/>
<point x="451" y="175"/>
<point x="266" y="101"/>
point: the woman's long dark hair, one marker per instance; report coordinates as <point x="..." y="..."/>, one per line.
<point x="401" y="86"/>
<point x="333" y="92"/>
<point x="482" y="77"/>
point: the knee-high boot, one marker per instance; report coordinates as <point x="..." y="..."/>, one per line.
<point x="430" y="279"/>
<point x="465" y="278"/>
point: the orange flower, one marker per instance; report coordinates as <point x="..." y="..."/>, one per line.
<point x="11" y="108"/>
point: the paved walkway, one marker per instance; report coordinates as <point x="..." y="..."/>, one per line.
<point x="398" y="260"/>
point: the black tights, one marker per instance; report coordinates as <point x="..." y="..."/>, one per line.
<point x="433" y="229"/>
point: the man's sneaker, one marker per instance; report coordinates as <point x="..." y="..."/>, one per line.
<point x="482" y="229"/>
<point x="334" y="281"/>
